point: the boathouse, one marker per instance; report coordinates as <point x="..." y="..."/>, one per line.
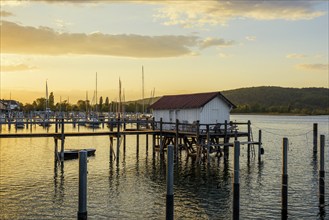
<point x="207" y="108"/>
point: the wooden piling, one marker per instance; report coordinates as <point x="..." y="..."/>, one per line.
<point x="249" y="139"/>
<point x="176" y="138"/>
<point x="236" y="181"/>
<point x="124" y="136"/>
<point x="322" y="173"/>
<point x="284" y="194"/>
<point x="170" y="183"/>
<point x="161" y="142"/>
<point x="315" y="138"/>
<point x="118" y="138"/>
<point x="208" y="144"/>
<point x="82" y="208"/>
<point x="153" y="136"/>
<point x="62" y="140"/>
<point x="137" y="136"/>
<point x="259" y="146"/>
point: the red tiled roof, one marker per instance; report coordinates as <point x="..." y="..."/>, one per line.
<point x="188" y="101"/>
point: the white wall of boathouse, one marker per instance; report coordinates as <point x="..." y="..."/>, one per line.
<point x="215" y="111"/>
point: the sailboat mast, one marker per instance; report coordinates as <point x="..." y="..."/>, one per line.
<point x="96" y="92"/>
<point x="143" y="88"/>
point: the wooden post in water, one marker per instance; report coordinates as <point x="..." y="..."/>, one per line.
<point x="124" y="136"/>
<point x="249" y="138"/>
<point x="153" y="136"/>
<point x="137" y="136"/>
<point x="170" y="183"/>
<point x="284" y="195"/>
<point x="62" y="140"/>
<point x="322" y="172"/>
<point x="208" y="144"/>
<point x="226" y="140"/>
<point x="118" y="137"/>
<point x="259" y="146"/>
<point x="111" y="139"/>
<point x="56" y="141"/>
<point x="161" y="144"/>
<point x="147" y="136"/>
<point x="236" y="181"/>
<point x="315" y="138"/>
<point x="82" y="209"/>
<point x="176" y="138"/>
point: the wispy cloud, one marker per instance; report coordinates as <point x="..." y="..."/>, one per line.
<point x="316" y="66"/>
<point x="219" y="42"/>
<point x="19" y="39"/>
<point x="5" y="14"/>
<point x="17" y="67"/>
<point x="295" y="56"/>
<point x="251" y="38"/>
<point x="192" y="13"/>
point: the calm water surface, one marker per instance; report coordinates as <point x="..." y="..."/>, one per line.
<point x="33" y="187"/>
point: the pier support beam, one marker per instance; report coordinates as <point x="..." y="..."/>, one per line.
<point x="82" y="209"/>
<point x="260" y="146"/>
<point x="170" y="183"/>
<point x="322" y="173"/>
<point x="315" y="138"/>
<point x="236" y="181"/>
<point x="284" y="195"/>
<point x="62" y="140"/>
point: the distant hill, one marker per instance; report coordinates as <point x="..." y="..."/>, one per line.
<point x="279" y="100"/>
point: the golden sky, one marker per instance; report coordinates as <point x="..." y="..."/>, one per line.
<point x="184" y="46"/>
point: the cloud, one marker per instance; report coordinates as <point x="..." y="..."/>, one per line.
<point x="192" y="13"/>
<point x="295" y="56"/>
<point x="209" y="42"/>
<point x="317" y="66"/>
<point x="19" y="39"/>
<point x="5" y="14"/>
<point x="250" y="38"/>
<point x="17" y="67"/>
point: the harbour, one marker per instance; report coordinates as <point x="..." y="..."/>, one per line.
<point x="134" y="186"/>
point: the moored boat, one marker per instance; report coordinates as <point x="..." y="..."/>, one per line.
<point x="74" y="153"/>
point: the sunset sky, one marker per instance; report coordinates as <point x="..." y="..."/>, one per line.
<point x="184" y="46"/>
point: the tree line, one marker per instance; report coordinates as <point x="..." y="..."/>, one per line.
<point x="103" y="105"/>
<point x="279" y="100"/>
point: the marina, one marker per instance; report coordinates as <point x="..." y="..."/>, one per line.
<point x="200" y="186"/>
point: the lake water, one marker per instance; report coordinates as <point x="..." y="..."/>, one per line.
<point x="32" y="187"/>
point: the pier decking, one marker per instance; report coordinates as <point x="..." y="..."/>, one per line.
<point x="198" y="140"/>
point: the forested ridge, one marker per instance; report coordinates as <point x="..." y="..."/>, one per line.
<point x="269" y="99"/>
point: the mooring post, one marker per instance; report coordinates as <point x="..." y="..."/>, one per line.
<point x="111" y="139"/>
<point x="62" y="140"/>
<point x="208" y="144"/>
<point x="82" y="209"/>
<point x="161" y="144"/>
<point x="176" y="138"/>
<point x="284" y="195"/>
<point x="137" y="136"/>
<point x="147" y="136"/>
<point x="249" y="138"/>
<point x="124" y="135"/>
<point x="153" y="136"/>
<point x="170" y="183"/>
<point x="56" y="141"/>
<point x="321" y="172"/>
<point x="315" y="138"/>
<point x="118" y="137"/>
<point x="236" y="181"/>
<point x="259" y="146"/>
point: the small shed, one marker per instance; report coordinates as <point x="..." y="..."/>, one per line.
<point x="207" y="108"/>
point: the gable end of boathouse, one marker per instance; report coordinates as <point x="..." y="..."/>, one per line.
<point x="207" y="108"/>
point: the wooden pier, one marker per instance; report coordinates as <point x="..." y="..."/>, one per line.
<point x="198" y="140"/>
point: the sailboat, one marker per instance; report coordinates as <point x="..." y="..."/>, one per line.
<point x="92" y="119"/>
<point x="46" y="121"/>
